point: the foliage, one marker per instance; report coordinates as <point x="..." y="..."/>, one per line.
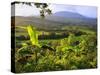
<point x="43" y="7"/>
<point x="33" y="35"/>
<point x="69" y="53"/>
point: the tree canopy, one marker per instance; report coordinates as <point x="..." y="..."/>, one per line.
<point x="43" y="7"/>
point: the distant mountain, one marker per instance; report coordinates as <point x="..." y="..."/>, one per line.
<point x="71" y="18"/>
<point x="68" y="14"/>
<point x="55" y="20"/>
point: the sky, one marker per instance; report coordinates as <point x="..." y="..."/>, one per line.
<point x="25" y="10"/>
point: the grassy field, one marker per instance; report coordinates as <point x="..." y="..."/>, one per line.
<point x="69" y="48"/>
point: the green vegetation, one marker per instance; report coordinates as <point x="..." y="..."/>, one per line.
<point x="53" y="45"/>
<point x="33" y="35"/>
<point x="69" y="48"/>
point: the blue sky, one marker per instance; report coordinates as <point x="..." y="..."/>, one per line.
<point x="24" y="10"/>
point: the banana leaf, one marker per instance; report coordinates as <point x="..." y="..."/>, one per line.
<point x="33" y="35"/>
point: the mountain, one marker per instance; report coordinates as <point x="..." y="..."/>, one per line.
<point x="55" y="20"/>
<point x="67" y="14"/>
<point x="71" y="18"/>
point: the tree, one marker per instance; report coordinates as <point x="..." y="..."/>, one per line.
<point x="43" y="7"/>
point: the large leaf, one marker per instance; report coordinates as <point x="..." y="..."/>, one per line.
<point x="33" y="35"/>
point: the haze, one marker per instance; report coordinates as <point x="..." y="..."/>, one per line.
<point x="25" y="10"/>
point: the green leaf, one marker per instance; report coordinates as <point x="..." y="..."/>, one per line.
<point x="24" y="44"/>
<point x="33" y="35"/>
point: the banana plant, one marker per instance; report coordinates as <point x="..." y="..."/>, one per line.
<point x="33" y="38"/>
<point x="33" y="35"/>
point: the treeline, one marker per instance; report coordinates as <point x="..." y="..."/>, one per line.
<point x="52" y="35"/>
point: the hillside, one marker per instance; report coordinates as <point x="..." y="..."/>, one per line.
<point x="55" y="20"/>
